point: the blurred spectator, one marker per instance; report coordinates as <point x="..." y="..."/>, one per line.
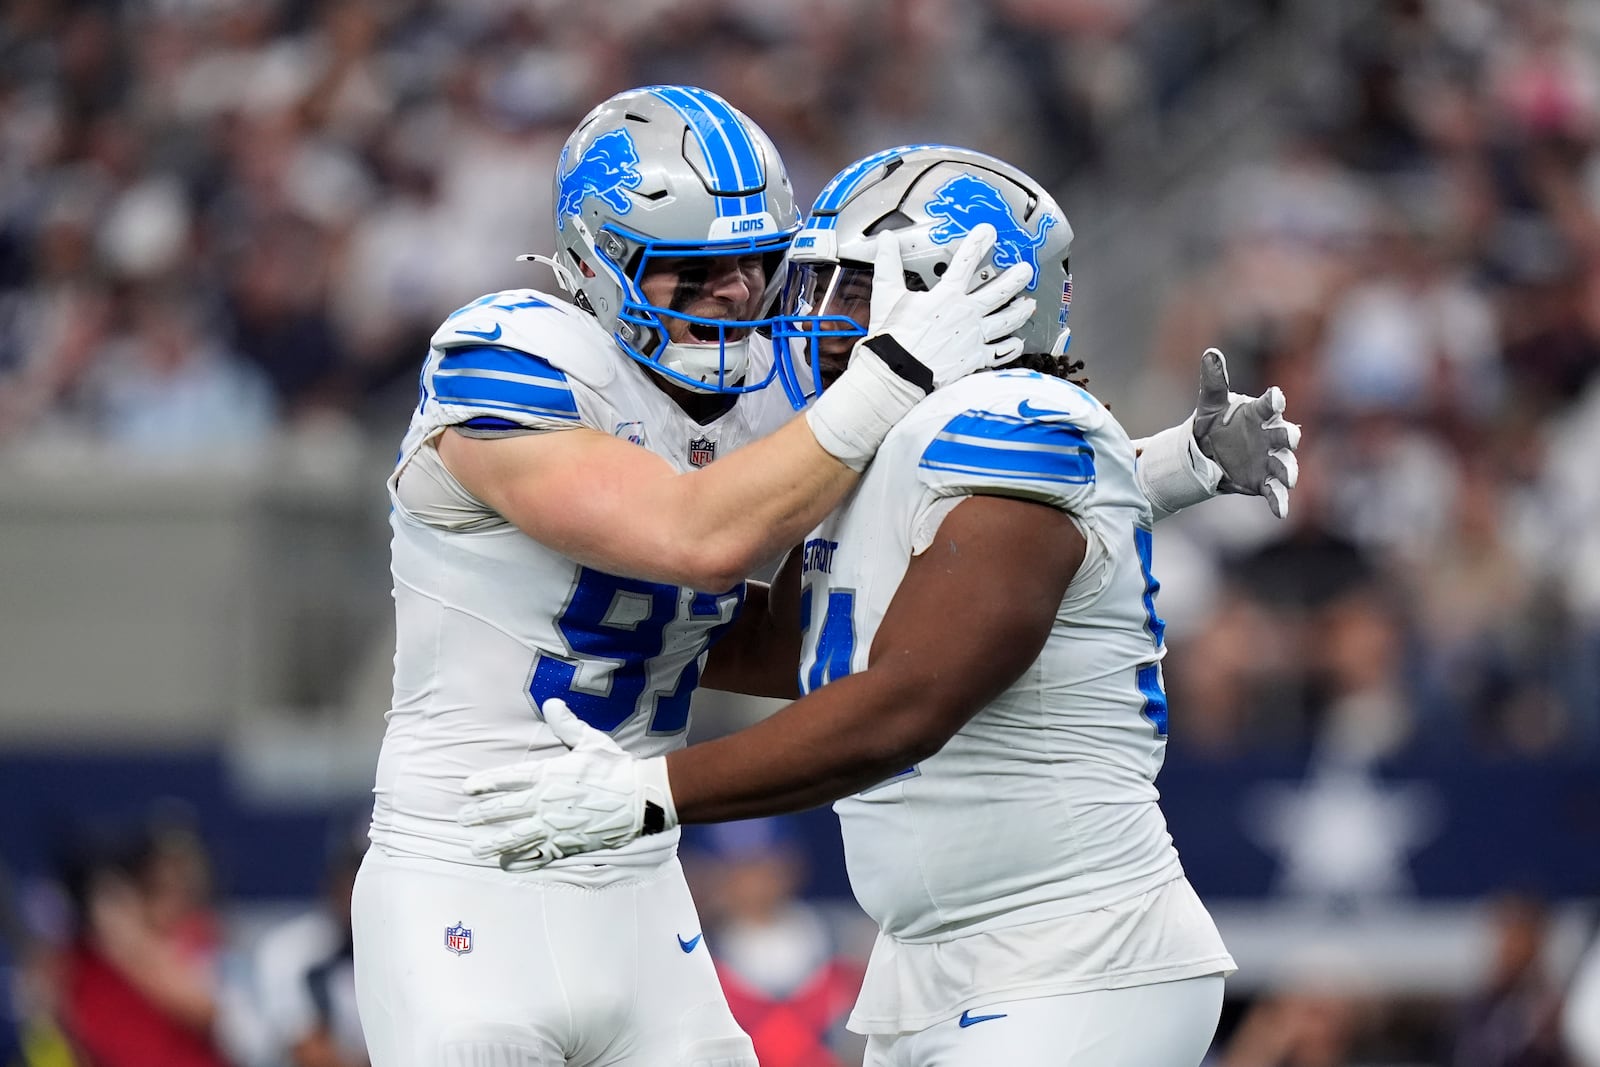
<point x="1303" y="651"/>
<point x="1514" y="1021"/>
<point x="785" y="978"/>
<point x="29" y="1035"/>
<point x="1302" y="1028"/>
<point x="168" y="387"/>
<point x="298" y="1007"/>
<point x="139" y="984"/>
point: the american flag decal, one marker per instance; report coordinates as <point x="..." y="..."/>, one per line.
<point x="1066" y="299"/>
<point x="458" y="939"/>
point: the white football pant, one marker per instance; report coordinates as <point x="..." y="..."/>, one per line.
<point x="459" y="966"/>
<point x="1169" y="1024"/>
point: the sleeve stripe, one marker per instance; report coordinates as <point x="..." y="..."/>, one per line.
<point x="506" y="393"/>
<point x="1001" y="446"/>
<point x="497" y="358"/>
<point x="502" y="379"/>
<point x="1067" y="441"/>
<point x="1084" y="475"/>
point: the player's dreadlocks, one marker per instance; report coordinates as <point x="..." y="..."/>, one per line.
<point x="1054" y="366"/>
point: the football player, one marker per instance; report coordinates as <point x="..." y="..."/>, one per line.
<point x="560" y="530"/>
<point x="980" y="651"/>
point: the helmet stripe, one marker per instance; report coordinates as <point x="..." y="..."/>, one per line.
<point x="844" y="185"/>
<point x="729" y="149"/>
<point x="746" y="153"/>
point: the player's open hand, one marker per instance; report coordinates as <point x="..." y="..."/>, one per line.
<point x="959" y="326"/>
<point x="1246" y="436"/>
<point x="591" y="797"/>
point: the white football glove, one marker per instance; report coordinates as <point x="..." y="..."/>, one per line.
<point x="917" y="342"/>
<point x="594" y="797"/>
<point x="1233" y="443"/>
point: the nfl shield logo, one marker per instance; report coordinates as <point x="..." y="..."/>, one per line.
<point x="702" y="450"/>
<point x="458" y="939"/>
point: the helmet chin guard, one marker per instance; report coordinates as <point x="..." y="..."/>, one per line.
<point x="671" y="172"/>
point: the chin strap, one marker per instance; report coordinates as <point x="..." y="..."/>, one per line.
<point x="564" y="276"/>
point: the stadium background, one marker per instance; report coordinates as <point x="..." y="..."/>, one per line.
<point x="227" y="228"/>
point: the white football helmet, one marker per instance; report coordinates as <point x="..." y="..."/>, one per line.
<point x="669" y="171"/>
<point x="929" y="196"/>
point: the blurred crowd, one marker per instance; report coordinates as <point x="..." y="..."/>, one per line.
<point x="220" y="217"/>
<point x="125" y="958"/>
<point x="227" y="221"/>
<point x="1418" y="265"/>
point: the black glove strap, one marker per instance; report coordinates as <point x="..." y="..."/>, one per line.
<point x="900" y="361"/>
<point x="655" y="819"/>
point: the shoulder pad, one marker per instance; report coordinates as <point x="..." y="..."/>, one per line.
<point x="1009" y="434"/>
<point x="559" y="333"/>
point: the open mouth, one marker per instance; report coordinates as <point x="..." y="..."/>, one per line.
<point x="706" y="333"/>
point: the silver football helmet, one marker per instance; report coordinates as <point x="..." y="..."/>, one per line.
<point x="670" y="172"/>
<point x="929" y="196"/>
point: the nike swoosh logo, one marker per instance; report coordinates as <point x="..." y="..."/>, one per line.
<point x="969" y="1019"/>
<point x="1027" y="410"/>
<point x="487" y="335"/>
<point x="691" y="944"/>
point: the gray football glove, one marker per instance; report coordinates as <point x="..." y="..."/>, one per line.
<point x="1246" y="436"/>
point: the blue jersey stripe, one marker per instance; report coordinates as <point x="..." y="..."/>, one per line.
<point x="978" y="442"/>
<point x="506" y="394"/>
<point x="729" y="149"/>
<point x="983" y="467"/>
<point x="497" y="358"/>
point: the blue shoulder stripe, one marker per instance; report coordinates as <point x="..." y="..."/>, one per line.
<point x="1002" y="446"/>
<point x="729" y="149"/>
<point x="498" y="358"/>
<point x="503" y="379"/>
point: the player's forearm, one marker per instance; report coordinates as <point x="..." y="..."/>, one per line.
<point x="844" y="737"/>
<point x="618" y="508"/>
<point x="707" y="529"/>
<point x="750" y="505"/>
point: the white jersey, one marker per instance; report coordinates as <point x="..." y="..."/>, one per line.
<point x="1043" y="806"/>
<point x="491" y="622"/>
